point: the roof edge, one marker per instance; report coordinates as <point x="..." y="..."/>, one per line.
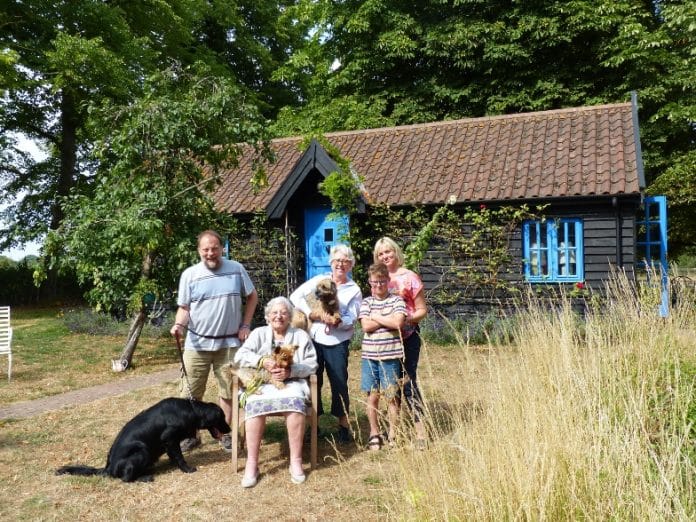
<point x="636" y="138"/>
<point x="459" y="121"/>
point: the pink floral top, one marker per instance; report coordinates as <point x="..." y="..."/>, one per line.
<point x="406" y="284"/>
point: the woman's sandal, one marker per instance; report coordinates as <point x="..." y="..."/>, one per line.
<point x="374" y="443"/>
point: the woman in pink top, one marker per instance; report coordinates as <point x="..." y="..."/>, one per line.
<point x="408" y="285"/>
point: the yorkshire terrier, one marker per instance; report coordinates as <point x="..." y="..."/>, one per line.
<point x="323" y="300"/>
<point x="253" y="378"/>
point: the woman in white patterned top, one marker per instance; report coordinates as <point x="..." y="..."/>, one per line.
<point x="290" y="400"/>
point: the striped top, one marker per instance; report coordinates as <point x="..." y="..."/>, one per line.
<point x="214" y="299"/>
<point x="383" y="343"/>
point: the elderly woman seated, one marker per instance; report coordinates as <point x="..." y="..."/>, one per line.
<point x="289" y="400"/>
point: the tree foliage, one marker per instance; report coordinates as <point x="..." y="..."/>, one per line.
<point x="659" y="54"/>
<point x="67" y="55"/>
<point x="58" y="58"/>
<point x="158" y="161"/>
<point x="153" y="195"/>
<point x="387" y="62"/>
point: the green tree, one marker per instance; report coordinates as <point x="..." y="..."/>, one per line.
<point x="660" y="57"/>
<point x="59" y="57"/>
<point x="413" y="62"/>
<point x="251" y="39"/>
<point x="66" y="55"/>
<point x="427" y="61"/>
<point x="158" y="159"/>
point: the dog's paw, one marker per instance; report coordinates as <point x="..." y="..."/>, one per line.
<point x="188" y="469"/>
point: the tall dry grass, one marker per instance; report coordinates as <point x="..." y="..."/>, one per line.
<point x="586" y="420"/>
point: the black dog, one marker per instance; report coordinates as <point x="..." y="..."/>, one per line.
<point x="151" y="433"/>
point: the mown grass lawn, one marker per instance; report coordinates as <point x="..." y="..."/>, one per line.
<point x="49" y="359"/>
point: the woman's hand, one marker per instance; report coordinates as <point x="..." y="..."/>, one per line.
<point x="277" y="373"/>
<point x="330" y="319"/>
<point x="280" y="374"/>
<point x="323" y="317"/>
<point x="268" y="364"/>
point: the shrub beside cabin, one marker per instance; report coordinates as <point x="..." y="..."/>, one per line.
<point x="582" y="165"/>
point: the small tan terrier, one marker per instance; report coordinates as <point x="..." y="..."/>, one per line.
<point x="323" y="300"/>
<point x="253" y="378"/>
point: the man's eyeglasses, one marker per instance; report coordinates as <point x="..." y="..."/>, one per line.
<point x="341" y="261"/>
<point x="378" y="283"/>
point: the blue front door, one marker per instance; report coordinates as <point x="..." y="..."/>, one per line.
<point x="321" y="233"/>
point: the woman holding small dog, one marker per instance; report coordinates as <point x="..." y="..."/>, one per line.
<point x="408" y="285"/>
<point x="332" y="335"/>
<point x="290" y="399"/>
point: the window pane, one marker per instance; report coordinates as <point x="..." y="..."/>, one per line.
<point x="538" y="250"/>
<point x="534" y="249"/>
<point x="654" y="232"/>
<point x="542" y="233"/>
<point x="534" y="262"/>
<point x="567" y="249"/>
<point x="653" y="212"/>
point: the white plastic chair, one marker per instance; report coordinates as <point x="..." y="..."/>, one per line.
<point x="6" y="338"/>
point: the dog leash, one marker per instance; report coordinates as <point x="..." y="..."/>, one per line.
<point x="226" y="336"/>
<point x="183" y="368"/>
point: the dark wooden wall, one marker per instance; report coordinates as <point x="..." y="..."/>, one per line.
<point x="609" y="242"/>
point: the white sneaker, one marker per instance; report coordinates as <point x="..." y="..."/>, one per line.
<point x="189" y="444"/>
<point x="226" y="442"/>
<point x="250" y="482"/>
<point x="297" y="479"/>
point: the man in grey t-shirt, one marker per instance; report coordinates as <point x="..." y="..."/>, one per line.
<point x="212" y="315"/>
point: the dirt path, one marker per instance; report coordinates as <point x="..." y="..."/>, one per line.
<point x="24" y="409"/>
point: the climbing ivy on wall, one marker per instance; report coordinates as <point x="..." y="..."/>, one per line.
<point x="342" y="186"/>
<point x="464" y="251"/>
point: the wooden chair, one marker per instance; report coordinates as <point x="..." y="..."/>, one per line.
<point x="313" y="421"/>
<point x="6" y="338"/>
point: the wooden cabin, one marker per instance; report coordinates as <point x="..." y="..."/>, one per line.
<point x="583" y="164"/>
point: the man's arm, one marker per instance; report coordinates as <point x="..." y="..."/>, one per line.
<point x="181" y="321"/>
<point x="249" y="308"/>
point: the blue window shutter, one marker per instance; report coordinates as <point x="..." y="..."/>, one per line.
<point x="580" y="250"/>
<point x="525" y="249"/>
<point x="651" y="254"/>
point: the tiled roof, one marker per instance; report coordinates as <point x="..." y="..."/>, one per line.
<point x="582" y="151"/>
